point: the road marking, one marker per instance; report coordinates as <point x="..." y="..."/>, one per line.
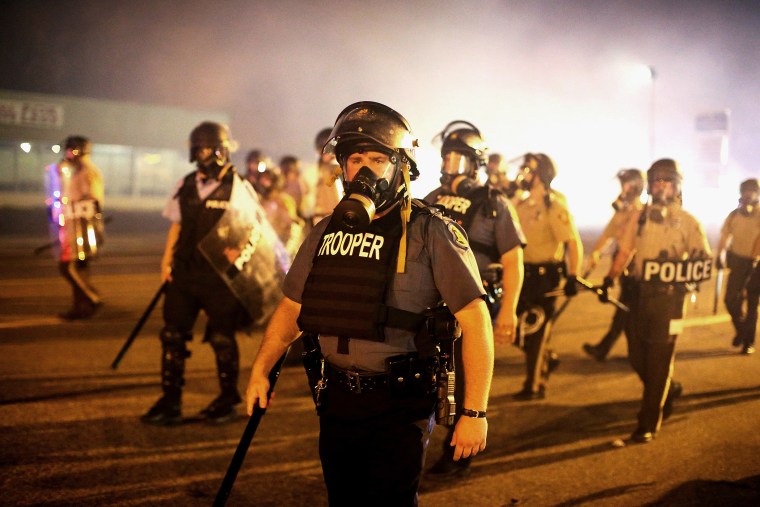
<point x="706" y="320"/>
<point x="31" y="322"/>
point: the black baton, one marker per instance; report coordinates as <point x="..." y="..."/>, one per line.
<point x="245" y="441"/>
<point x="139" y="325"/>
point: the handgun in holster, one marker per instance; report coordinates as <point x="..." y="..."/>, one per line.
<point x="314" y="364"/>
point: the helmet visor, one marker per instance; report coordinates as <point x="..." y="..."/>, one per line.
<point x="456" y="163"/>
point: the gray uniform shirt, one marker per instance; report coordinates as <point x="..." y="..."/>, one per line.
<point x="502" y="231"/>
<point x="439" y="265"/>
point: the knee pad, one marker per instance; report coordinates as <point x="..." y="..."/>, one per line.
<point x="173" y="338"/>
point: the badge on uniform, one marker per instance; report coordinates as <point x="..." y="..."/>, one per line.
<point x="458" y="236"/>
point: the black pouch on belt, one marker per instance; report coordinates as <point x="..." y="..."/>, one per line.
<point x="399" y="374"/>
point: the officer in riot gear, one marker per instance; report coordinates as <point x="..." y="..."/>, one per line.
<point x="627" y="203"/>
<point x="328" y="189"/>
<point x="737" y="236"/>
<point x="74" y="199"/>
<point x="365" y="280"/>
<point x="554" y="250"/>
<point x="658" y="240"/>
<point x="494" y="235"/>
<point x="198" y="203"/>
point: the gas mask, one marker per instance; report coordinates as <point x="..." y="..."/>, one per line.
<point x="212" y="164"/>
<point x="658" y="213"/>
<point x="460" y="184"/>
<point x="458" y="173"/>
<point x="357" y="209"/>
<point x="625" y="199"/>
<point x="747" y="204"/>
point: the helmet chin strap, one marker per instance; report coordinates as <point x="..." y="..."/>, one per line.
<point x="406" y="215"/>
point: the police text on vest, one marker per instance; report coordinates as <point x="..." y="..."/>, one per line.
<point x="677" y="271"/>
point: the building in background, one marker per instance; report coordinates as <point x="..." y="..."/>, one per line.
<point x="141" y="149"/>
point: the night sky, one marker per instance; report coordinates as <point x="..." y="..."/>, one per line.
<point x="567" y="78"/>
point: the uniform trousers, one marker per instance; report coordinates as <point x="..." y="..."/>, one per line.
<point x="539" y="279"/>
<point x="77" y="274"/>
<point x="741" y="269"/>
<point x="372" y="447"/>
<point x="651" y="346"/>
<point x="188" y="294"/>
<point x="619" y="319"/>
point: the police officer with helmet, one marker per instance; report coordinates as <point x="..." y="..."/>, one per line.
<point x="554" y="249"/>
<point x="627" y="203"/>
<point x="494" y="235"/>
<point x="663" y="247"/>
<point x="199" y="202"/>
<point x="365" y="280"/>
<point x="74" y="199"/>
<point x="737" y="236"/>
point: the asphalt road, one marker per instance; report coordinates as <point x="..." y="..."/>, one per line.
<point x="70" y="432"/>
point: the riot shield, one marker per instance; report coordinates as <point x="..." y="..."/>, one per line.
<point x="84" y="229"/>
<point x="247" y="254"/>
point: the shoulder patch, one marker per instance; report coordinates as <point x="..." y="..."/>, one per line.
<point x="457" y="235"/>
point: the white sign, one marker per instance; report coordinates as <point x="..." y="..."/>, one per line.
<point x="31" y="114"/>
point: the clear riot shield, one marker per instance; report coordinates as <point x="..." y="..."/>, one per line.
<point x="245" y="251"/>
<point x="84" y="229"/>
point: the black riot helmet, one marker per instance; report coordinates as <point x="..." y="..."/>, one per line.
<point x="541" y="166"/>
<point x="635" y="179"/>
<point x="749" y="185"/>
<point x="371" y="126"/>
<point x="321" y="139"/>
<point x="210" y="135"/>
<point x="79" y="145"/>
<point x="748" y="199"/>
<point x="665" y="169"/>
<point x="463" y="153"/>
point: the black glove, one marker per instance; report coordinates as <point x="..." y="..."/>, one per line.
<point x="719" y="263"/>
<point x="604" y="289"/>
<point x="571" y="286"/>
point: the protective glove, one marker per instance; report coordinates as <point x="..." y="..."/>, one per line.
<point x="604" y="289"/>
<point x="571" y="286"/>
<point x="719" y="263"/>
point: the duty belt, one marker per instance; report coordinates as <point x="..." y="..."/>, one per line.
<point x="355" y="382"/>
<point x="542" y="268"/>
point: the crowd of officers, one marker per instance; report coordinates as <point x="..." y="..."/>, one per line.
<point x="405" y="298"/>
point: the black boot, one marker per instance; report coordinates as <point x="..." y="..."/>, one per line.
<point x="222" y="409"/>
<point x="167" y="411"/>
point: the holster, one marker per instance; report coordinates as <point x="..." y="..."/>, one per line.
<point x="313" y="363"/>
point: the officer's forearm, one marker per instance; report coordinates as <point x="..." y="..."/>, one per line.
<point x="620" y="262"/>
<point x="513" y="273"/>
<point x="280" y="333"/>
<point x="477" y="353"/>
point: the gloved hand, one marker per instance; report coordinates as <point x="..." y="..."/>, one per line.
<point x="604" y="289"/>
<point x="571" y="286"/>
<point x="719" y="263"/>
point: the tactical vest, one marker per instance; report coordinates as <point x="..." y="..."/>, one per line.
<point x="463" y="210"/>
<point x="198" y="218"/>
<point x="345" y="291"/>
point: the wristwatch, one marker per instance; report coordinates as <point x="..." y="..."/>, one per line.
<point x="473" y="413"/>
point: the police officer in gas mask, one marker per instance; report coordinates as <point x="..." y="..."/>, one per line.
<point x="554" y="251"/>
<point x="494" y="235"/>
<point x="737" y="237"/>
<point x="197" y="205"/>
<point x="627" y="203"/>
<point x="363" y="281"/>
<point x="663" y="247"/>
